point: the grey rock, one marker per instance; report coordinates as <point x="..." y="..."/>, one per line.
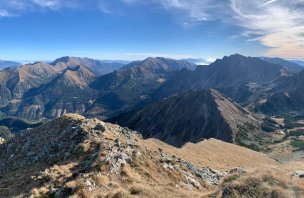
<point x="100" y="126"/>
<point x="298" y="174"/>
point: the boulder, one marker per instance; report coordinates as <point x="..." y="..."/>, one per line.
<point x="298" y="174"/>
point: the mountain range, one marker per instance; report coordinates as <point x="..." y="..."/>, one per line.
<point x="233" y="128"/>
<point x="42" y="90"/>
<point x="236" y="76"/>
<point x="6" y="64"/>
<point x="75" y="85"/>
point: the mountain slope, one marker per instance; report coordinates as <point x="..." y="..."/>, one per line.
<point x="236" y="76"/>
<point x="77" y="157"/>
<point x="68" y="92"/>
<point x="286" y="96"/>
<point x="132" y="84"/>
<point x="189" y="117"/>
<point x="97" y="66"/>
<point x="14" y="82"/>
<point x="289" y="65"/>
<point x="299" y="62"/>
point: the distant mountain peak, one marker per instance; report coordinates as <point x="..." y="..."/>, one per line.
<point x="97" y="66"/>
<point x="5" y="64"/>
<point x="288" y="65"/>
<point x="61" y="59"/>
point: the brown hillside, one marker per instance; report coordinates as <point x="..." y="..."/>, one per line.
<point x="77" y="157"/>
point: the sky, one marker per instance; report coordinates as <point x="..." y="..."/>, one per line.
<point x="136" y="29"/>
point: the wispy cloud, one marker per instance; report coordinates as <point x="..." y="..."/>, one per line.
<point x="10" y="8"/>
<point x="51" y="4"/>
<point x="4" y="13"/>
<point x="279" y="24"/>
<point x="193" y="10"/>
<point x="268" y="2"/>
<point x="196" y="10"/>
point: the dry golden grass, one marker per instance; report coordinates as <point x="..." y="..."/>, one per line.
<point x="145" y="176"/>
<point x="101" y="179"/>
<point x="261" y="184"/>
<point x="216" y="154"/>
<point x="74" y="116"/>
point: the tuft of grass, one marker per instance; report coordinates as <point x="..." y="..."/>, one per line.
<point x="259" y="184"/>
<point x="101" y="179"/>
<point x="231" y="178"/>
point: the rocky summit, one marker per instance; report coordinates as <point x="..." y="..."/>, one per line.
<point x="73" y="156"/>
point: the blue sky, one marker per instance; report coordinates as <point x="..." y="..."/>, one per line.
<point x="136" y="29"/>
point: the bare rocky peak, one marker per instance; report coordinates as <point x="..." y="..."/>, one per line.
<point x="78" y="76"/>
<point x="99" y="67"/>
<point x="159" y="64"/>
